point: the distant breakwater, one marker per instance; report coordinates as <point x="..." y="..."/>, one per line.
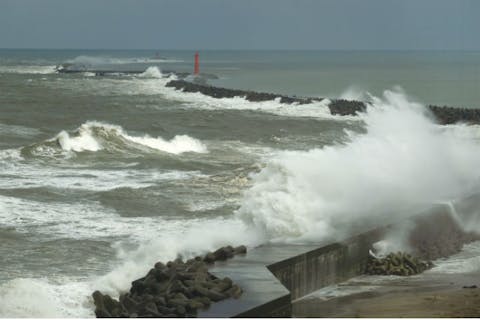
<point x="342" y="107"/>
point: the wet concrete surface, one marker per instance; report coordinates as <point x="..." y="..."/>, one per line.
<point x="428" y="295"/>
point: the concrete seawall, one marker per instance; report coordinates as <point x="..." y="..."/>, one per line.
<point x="334" y="263"/>
<point x="272" y="276"/>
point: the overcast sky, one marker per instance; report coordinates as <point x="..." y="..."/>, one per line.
<point x="241" y="24"/>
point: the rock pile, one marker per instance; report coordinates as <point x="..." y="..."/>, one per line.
<point x="400" y="264"/>
<point x="175" y="289"/>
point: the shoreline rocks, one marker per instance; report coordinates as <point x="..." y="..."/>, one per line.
<point x="443" y="114"/>
<point x="175" y="289"/>
<point x="400" y="264"/>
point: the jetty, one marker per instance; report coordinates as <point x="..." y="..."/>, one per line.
<point x="342" y="107"/>
<point x="275" y="277"/>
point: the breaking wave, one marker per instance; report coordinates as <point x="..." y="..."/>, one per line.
<point x="152" y="72"/>
<point x="27" y="297"/>
<point x="99" y="60"/>
<point x="403" y="164"/>
<point x="94" y="136"/>
<point x="28" y="69"/>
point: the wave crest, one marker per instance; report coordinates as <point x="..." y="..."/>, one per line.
<point x="152" y="72"/>
<point x="94" y="136"/>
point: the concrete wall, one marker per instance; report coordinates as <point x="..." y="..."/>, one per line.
<point x="273" y="276"/>
<point x="327" y="265"/>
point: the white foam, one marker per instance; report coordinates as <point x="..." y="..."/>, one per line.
<point x="339" y="290"/>
<point x="200" y="101"/>
<point x="28" y="69"/>
<point x="402" y="165"/>
<point x="83" y="142"/>
<point x="179" y="144"/>
<point x="39" y="298"/>
<point x="466" y="261"/>
<point x="81" y="220"/>
<point x="17" y="174"/>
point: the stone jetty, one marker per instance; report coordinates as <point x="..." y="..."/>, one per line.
<point x="175" y="289"/>
<point x="444" y="114"/>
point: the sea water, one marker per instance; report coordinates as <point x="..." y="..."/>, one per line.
<point x="102" y="176"/>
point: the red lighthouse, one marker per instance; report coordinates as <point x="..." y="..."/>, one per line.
<point x="197" y="64"/>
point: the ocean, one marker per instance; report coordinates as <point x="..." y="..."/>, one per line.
<point x="102" y="176"/>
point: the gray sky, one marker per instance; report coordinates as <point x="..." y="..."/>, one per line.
<point x="241" y="24"/>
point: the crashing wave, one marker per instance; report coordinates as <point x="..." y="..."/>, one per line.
<point x="94" y="136"/>
<point x="403" y="164"/>
<point x="152" y="72"/>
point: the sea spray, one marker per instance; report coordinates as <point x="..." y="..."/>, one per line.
<point x="196" y="237"/>
<point x="39" y="298"/>
<point x="354" y="93"/>
<point x="84" y="141"/>
<point x="152" y="72"/>
<point x="402" y="165"/>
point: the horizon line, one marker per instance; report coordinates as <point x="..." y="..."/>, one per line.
<point x="237" y="49"/>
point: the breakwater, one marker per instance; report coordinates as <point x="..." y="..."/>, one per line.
<point x="265" y="281"/>
<point x="443" y="114"/>
<point x="273" y="276"/>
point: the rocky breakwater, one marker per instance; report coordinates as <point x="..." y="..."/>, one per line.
<point x="337" y="107"/>
<point x="253" y="96"/>
<point x="434" y="235"/>
<point x="174" y="289"/>
<point x="449" y="115"/>
<point x="444" y="115"/>
<point x="400" y="264"/>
